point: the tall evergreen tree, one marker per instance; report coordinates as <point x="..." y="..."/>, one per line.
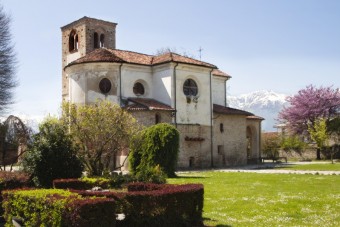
<point x="7" y="62"/>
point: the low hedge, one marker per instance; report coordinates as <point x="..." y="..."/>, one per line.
<point x="12" y="180"/>
<point x="55" y="207"/>
<point x="86" y="183"/>
<point x="157" y="205"/>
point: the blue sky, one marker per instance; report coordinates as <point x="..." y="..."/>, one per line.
<point x="279" y="45"/>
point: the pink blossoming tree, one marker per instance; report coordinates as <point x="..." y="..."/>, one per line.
<point x="308" y="105"/>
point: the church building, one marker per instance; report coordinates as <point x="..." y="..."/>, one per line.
<point x="185" y="92"/>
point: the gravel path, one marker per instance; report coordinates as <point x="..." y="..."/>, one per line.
<point x="269" y="168"/>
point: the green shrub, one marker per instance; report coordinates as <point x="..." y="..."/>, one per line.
<point x="12" y="180"/>
<point x="85" y="183"/>
<point x="149" y="174"/>
<point x="36" y="207"/>
<point x="156" y="145"/>
<point x="55" y="207"/>
<point x="52" y="155"/>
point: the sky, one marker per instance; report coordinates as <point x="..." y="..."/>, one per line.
<point x="279" y="45"/>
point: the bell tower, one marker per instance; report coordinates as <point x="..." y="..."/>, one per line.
<point x="80" y="38"/>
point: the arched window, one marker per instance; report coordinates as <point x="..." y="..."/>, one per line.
<point x="138" y="89"/>
<point x="95" y="40"/>
<point x="157" y="118"/>
<point x="102" y="39"/>
<point x="190" y="88"/>
<point x="76" y="42"/>
<point x="73" y="41"/>
<point x="105" y="85"/>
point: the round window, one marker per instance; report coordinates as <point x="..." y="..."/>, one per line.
<point x="190" y="88"/>
<point x="138" y="89"/>
<point x="105" y="85"/>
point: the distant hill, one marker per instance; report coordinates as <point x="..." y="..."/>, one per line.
<point x="266" y="104"/>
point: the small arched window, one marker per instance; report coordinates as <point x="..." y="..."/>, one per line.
<point x="73" y="41"/>
<point x="102" y="40"/>
<point x="95" y="40"/>
<point x="157" y="118"/>
<point x="190" y="88"/>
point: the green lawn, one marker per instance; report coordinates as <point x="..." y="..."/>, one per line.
<point x="314" y="166"/>
<point x="252" y="199"/>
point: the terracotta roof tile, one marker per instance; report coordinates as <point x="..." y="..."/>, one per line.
<point x="147" y="104"/>
<point x="173" y="57"/>
<point x="230" y="111"/>
<point x="123" y="56"/>
<point x="255" y="118"/>
<point x="135" y="107"/>
<point x="217" y="72"/>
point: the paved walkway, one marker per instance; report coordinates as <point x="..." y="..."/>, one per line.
<point x="270" y="169"/>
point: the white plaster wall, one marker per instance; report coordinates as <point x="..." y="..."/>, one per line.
<point x="72" y="57"/>
<point x="84" y="82"/>
<point x="132" y="74"/>
<point x="219" y="90"/>
<point x="195" y="112"/>
<point x="161" y="83"/>
<point x="77" y="88"/>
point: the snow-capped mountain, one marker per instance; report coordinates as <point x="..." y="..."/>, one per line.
<point x="266" y="104"/>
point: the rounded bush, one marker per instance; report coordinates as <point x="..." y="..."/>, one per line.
<point x="155" y="145"/>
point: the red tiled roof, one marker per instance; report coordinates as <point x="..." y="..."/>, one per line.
<point x="173" y="57"/>
<point x="230" y="111"/>
<point x="217" y="72"/>
<point x="255" y="118"/>
<point x="123" y="56"/>
<point x="147" y="104"/>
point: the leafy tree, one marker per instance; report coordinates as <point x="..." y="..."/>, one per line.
<point x="292" y="143"/>
<point x="318" y="133"/>
<point x="155" y="145"/>
<point x="309" y="105"/>
<point x="52" y="155"/>
<point x="7" y="62"/>
<point x="101" y="131"/>
<point x="270" y="144"/>
<point x="14" y="138"/>
<point x="333" y="130"/>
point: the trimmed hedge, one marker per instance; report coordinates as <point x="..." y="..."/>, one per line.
<point x="12" y="180"/>
<point x="157" y="205"/>
<point x="88" y="183"/>
<point x="55" y="207"/>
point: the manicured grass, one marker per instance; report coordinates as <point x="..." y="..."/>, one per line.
<point x="252" y="199"/>
<point x="314" y="166"/>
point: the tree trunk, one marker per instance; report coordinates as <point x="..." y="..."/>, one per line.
<point x="318" y="154"/>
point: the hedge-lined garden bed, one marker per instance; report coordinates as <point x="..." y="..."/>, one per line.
<point x="143" y="204"/>
<point x="56" y="207"/>
<point x="157" y="204"/>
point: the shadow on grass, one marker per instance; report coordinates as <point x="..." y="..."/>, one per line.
<point x="189" y="177"/>
<point x="276" y="166"/>
<point x="218" y="225"/>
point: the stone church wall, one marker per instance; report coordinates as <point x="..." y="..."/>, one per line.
<point x="148" y="118"/>
<point x="195" y="146"/>
<point x="230" y="144"/>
